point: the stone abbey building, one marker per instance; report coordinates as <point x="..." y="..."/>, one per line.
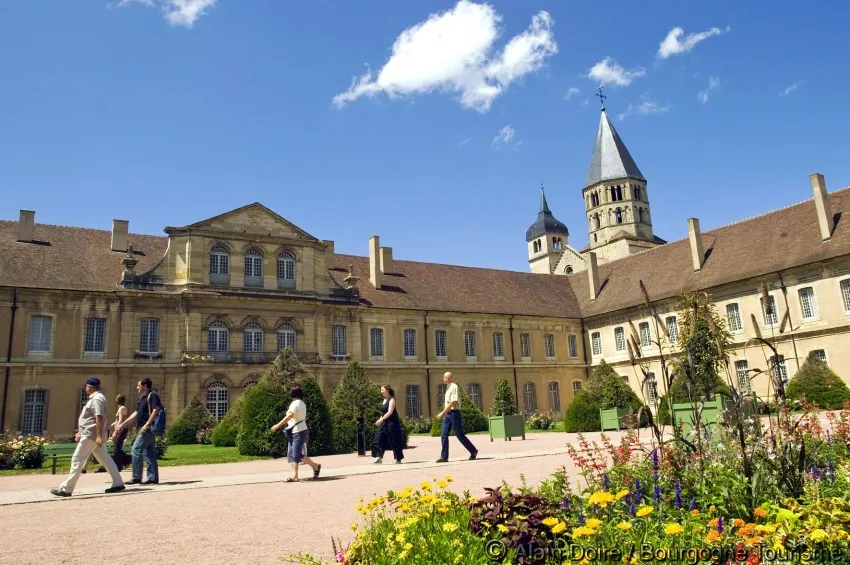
<point x="201" y="310"/>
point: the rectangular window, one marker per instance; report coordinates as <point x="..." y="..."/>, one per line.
<point x="780" y="370"/>
<point x="149" y="335"/>
<point x="474" y="390"/>
<point x="441" y="396"/>
<point x="34" y="410"/>
<point x="576" y="386"/>
<point x="411" y="393"/>
<point x="808" y="303"/>
<point x="440" y="344"/>
<point x="845" y="294"/>
<point x="339" y="341"/>
<point x="619" y="339"/>
<point x="554" y="397"/>
<point x="549" y="345"/>
<point x="673" y="329"/>
<point x="769" y="310"/>
<point x="651" y="389"/>
<point x="498" y="345"/>
<point x="596" y="340"/>
<point x="95" y="335"/>
<point x="572" y="342"/>
<point x="819" y="354"/>
<point x="743" y="374"/>
<point x="41" y="331"/>
<point x="645" y="336"/>
<point x="733" y="315"/>
<point x="469" y="343"/>
<point x="525" y="346"/>
<point x="376" y="339"/>
<point x="410" y="343"/>
<point x="530" y="398"/>
<point x="218" y="338"/>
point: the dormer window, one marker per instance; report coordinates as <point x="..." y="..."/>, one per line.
<point x="285" y="270"/>
<point x="219" y="265"/>
<point x="254" y="268"/>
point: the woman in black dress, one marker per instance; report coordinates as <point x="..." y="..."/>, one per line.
<point x="389" y="435"/>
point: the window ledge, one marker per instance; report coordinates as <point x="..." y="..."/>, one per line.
<point x="551" y="358"/>
<point x="94" y="354"/>
<point x="411" y="358"/>
<point x="472" y="359"/>
<point x="377" y="358"/>
<point x="45" y="354"/>
<point x="499" y="358"/>
<point x="442" y="358"/>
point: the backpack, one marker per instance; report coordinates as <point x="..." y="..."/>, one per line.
<point x="158" y="427"/>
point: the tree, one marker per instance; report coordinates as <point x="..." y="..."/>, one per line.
<point x="603" y="389"/>
<point x="504" y="404"/>
<point x="355" y="396"/>
<point x="473" y="419"/>
<point x="225" y="432"/>
<point x="286" y="366"/>
<point x="194" y="418"/>
<point x="320" y="441"/>
<point x="705" y="342"/>
<point x="818" y="384"/>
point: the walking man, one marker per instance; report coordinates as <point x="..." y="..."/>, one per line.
<point x="93" y="430"/>
<point x="145" y="444"/>
<point x="452" y="419"/>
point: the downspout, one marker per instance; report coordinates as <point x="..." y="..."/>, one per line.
<point x="584" y="350"/>
<point x="513" y="362"/>
<point x="427" y="368"/>
<point x="8" y="359"/>
<point x="788" y="308"/>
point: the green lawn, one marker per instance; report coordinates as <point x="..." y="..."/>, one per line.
<point x="176" y="455"/>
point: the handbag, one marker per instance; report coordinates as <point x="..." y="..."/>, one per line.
<point x="288" y="431"/>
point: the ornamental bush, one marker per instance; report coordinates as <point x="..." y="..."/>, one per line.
<point x="504" y="404"/>
<point x="225" y="432"/>
<point x="194" y="418"/>
<point x="817" y="383"/>
<point x="540" y="422"/>
<point x="318" y="417"/>
<point x="355" y="396"/>
<point x="473" y="419"/>
<point x="582" y="414"/>
<point x="604" y="389"/>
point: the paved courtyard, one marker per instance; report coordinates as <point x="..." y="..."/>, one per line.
<point x="241" y="513"/>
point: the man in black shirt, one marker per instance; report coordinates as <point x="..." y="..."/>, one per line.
<point x="145" y="444"/>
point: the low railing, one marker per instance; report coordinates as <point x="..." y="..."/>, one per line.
<point x="245" y="357"/>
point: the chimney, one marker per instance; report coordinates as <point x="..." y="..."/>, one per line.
<point x="697" y="252"/>
<point x="593" y="275"/>
<point x="120" y="230"/>
<point x="386" y="260"/>
<point x="824" y="210"/>
<point x="26" y="226"/>
<point x="330" y="262"/>
<point x="375" y="274"/>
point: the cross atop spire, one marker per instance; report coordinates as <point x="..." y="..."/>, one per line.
<point x="601" y="97"/>
<point x="544" y="206"/>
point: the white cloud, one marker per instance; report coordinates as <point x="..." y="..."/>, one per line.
<point x="452" y="52"/>
<point x="504" y="137"/>
<point x="792" y="88"/>
<point x="572" y="92"/>
<point x="177" y="12"/>
<point x="645" y="107"/>
<point x="674" y="45"/>
<point x="464" y="142"/>
<point x="713" y="84"/>
<point x="607" y="71"/>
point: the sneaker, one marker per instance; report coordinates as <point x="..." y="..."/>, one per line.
<point x="58" y="492"/>
<point x="473" y="456"/>
<point x="441" y="460"/>
<point x="134" y="482"/>
<point x="150" y="482"/>
<point x="377" y="461"/>
<point x="397" y="462"/>
<point x="118" y="488"/>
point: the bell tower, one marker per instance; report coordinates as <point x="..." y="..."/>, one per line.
<point x="615" y="197"/>
<point x="546" y="239"/>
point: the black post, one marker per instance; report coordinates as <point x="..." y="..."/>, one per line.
<point x="361" y="437"/>
<point x="8" y="360"/>
<point x="513" y="362"/>
<point x="427" y="368"/>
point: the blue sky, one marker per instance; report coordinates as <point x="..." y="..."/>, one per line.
<point x="164" y="112"/>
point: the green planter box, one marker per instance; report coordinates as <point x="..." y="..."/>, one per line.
<point x="507" y="427"/>
<point x="613" y="418"/>
<point x="710" y="416"/>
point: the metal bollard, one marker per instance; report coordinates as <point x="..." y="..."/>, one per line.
<point x="361" y="437"/>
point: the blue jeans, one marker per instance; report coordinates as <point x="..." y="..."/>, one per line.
<point x="453" y="420"/>
<point x="145" y="444"/>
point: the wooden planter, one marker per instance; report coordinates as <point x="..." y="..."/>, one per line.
<point x="710" y="417"/>
<point x="613" y="418"/>
<point x="506" y="427"/>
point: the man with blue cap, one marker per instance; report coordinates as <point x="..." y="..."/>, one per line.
<point x="91" y="439"/>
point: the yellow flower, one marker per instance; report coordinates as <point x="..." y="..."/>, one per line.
<point x="550" y="521"/>
<point x="673" y="529"/>
<point x="442" y="484"/>
<point x="403" y="555"/>
<point x="450" y="527"/>
<point x="622" y="494"/>
<point x="594" y="523"/>
<point x="624" y="526"/>
<point x="449" y="478"/>
<point x="426" y="486"/>
<point x="644" y="511"/>
<point x="601" y="498"/>
<point x="456" y="543"/>
<point x="559" y="527"/>
<point x="400" y="537"/>
<point x="408" y="546"/>
<point x="712" y="509"/>
<point x="458" y="559"/>
<point x="442" y="510"/>
<point x="818" y="535"/>
<point x="354" y="527"/>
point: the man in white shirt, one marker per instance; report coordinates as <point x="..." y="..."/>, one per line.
<point x="452" y="419"/>
<point x="93" y="431"/>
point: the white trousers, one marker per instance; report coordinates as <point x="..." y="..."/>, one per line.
<point x="85" y="448"/>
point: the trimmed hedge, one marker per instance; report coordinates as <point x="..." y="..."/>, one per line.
<point x="355" y="395"/>
<point x="318" y="418"/>
<point x="604" y="389"/>
<point x="194" y="418"/>
<point x="817" y="383"/>
<point x="225" y="432"/>
<point x="582" y="415"/>
<point x="473" y="419"/>
<point x="265" y="405"/>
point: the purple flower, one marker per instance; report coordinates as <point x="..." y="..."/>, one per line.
<point x="831" y="467"/>
<point x="678" y="499"/>
<point x="638" y="492"/>
<point x="632" y="509"/>
<point x="606" y="481"/>
<point x="581" y="519"/>
<point x="720" y="524"/>
<point x="565" y="503"/>
<point x="828" y="438"/>
<point x="655" y="458"/>
<point x="656" y="493"/>
<point x="693" y="503"/>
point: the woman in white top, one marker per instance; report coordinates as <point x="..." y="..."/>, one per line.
<point x="295" y="420"/>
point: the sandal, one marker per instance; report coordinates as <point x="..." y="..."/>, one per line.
<point x="317" y="471"/>
<point x="291" y="480"/>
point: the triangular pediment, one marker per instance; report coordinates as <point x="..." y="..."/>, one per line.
<point x="253" y="219"/>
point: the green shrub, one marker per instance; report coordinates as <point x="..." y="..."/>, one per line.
<point x="418" y="425"/>
<point x="504" y="403"/>
<point x="582" y="415"/>
<point x="161" y="443"/>
<point x="682" y="393"/>
<point x="205" y="436"/>
<point x="225" y="432"/>
<point x="473" y="419"/>
<point x="604" y="389"/>
<point x="318" y="417"/>
<point x="539" y="422"/>
<point x="354" y="396"/>
<point x="265" y="405"/>
<point x="194" y="418"/>
<point x="818" y="384"/>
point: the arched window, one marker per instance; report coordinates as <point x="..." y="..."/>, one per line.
<point x="285" y="336"/>
<point x="253" y="338"/>
<point x="637" y="193"/>
<point x="596" y="223"/>
<point x="618" y="214"/>
<point x="253" y="267"/>
<point x="285" y="270"/>
<point x="568" y="270"/>
<point x="217" y="399"/>
<point x="219" y="265"/>
<point x="218" y="337"/>
<point x="249" y="383"/>
<point x="640" y="214"/>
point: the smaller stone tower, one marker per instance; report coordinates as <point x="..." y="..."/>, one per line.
<point x="546" y="238"/>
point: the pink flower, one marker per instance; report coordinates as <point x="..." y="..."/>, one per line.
<point x="340" y="557"/>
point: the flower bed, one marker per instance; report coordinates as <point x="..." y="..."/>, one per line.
<point x="23" y="452"/>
